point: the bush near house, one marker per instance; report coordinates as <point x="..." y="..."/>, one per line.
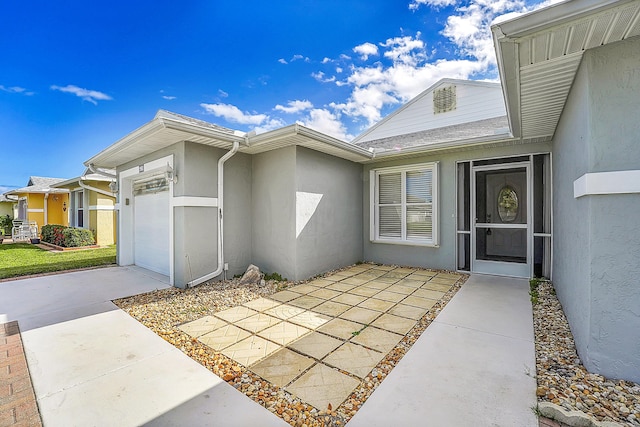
<point x="6" y="223"/>
<point x="67" y="237"/>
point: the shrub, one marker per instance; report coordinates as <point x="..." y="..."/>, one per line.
<point x="67" y="237"/>
<point x="6" y="224"/>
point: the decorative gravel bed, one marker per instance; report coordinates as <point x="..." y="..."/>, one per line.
<point x="563" y="380"/>
<point x="162" y="311"/>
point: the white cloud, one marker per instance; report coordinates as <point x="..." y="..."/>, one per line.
<point x="233" y="114"/>
<point x="298" y="57"/>
<point x="169" y="98"/>
<point x="365" y="50"/>
<point x="16" y="89"/>
<point x="325" y="60"/>
<point x="222" y="93"/>
<point x="294" y="107"/>
<point x="345" y="57"/>
<point x="325" y="121"/>
<point x="320" y="76"/>
<point x="282" y="61"/>
<point x="269" y="124"/>
<point x="92" y="96"/>
<point x="415" y="4"/>
<point x="339" y="69"/>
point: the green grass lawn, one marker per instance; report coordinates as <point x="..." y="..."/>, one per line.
<point x="21" y="259"/>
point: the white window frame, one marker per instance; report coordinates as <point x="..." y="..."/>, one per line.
<point x="374" y="203"/>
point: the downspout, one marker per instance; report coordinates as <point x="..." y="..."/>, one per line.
<point x="220" y="268"/>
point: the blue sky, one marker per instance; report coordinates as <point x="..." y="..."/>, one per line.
<point x="77" y="76"/>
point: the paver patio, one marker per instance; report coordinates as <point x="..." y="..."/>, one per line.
<point x="320" y="339"/>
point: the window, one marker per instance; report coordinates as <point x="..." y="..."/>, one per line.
<point x="404" y="204"/>
<point x="79" y="209"/>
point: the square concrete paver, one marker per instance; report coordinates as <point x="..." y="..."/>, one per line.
<point x="325" y="293"/>
<point x="316" y="345"/>
<point x="224" y="337"/>
<point x="399" y="325"/>
<point x="285" y="296"/>
<point x="236" y="313"/>
<point x="364" y="291"/>
<point x="250" y="350"/>
<point x="436" y="287"/>
<point x="257" y="322"/>
<point x="419" y="302"/>
<point x="322" y="385"/>
<point x="376" y="304"/>
<point x="408" y="311"/>
<point x="261" y="304"/>
<point x="306" y="301"/>
<point x="349" y="299"/>
<point x="360" y="315"/>
<point x="377" y="339"/>
<point x="340" y="328"/>
<point x="303" y="289"/>
<point x="428" y="293"/>
<point x="202" y="326"/>
<point x="284" y="311"/>
<point x="390" y="296"/>
<point x="282" y="366"/>
<point x="375" y="284"/>
<point x="310" y="320"/>
<point x="331" y="308"/>
<point x="354" y="359"/>
<point x="442" y="280"/>
<point x="355" y="281"/>
<point x="340" y="286"/>
<point x="283" y="333"/>
<point x="321" y="283"/>
<point x="411" y="283"/>
<point x="401" y="289"/>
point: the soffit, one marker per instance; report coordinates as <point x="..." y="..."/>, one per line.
<point x="539" y="65"/>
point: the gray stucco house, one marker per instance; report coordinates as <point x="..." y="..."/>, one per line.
<point x="538" y="175"/>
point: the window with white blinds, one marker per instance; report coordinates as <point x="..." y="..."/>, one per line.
<point x="404" y="204"/>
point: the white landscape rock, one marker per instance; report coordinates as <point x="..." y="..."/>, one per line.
<point x="253" y="275"/>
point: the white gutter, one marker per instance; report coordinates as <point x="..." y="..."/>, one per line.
<point x="94" y="169"/>
<point x="97" y="190"/>
<point x="220" y="268"/>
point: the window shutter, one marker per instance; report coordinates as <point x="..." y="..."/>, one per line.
<point x="390" y="208"/>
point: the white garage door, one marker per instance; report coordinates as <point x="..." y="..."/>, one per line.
<point x="151" y="231"/>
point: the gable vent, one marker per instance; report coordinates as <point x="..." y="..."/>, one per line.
<point x="444" y="99"/>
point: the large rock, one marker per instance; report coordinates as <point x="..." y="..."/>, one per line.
<point x="252" y="276"/>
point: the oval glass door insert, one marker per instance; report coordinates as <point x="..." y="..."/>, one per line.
<point x="507" y="204"/>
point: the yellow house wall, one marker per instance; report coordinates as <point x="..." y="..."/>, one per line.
<point x="102" y="221"/>
<point x="55" y="213"/>
<point x="56" y="209"/>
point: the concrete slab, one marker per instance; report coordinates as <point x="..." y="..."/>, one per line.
<point x="93" y="364"/>
<point x="474" y="365"/>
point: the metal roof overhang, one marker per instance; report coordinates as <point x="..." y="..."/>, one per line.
<point x="539" y="53"/>
<point x="159" y="133"/>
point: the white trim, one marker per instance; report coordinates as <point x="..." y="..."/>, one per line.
<point x="116" y="206"/>
<point x="35" y="210"/>
<point x="615" y="182"/>
<point x="191" y="201"/>
<point x="101" y="208"/>
<point x="373" y="202"/>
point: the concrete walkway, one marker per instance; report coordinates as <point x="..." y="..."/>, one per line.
<point x="473" y="366"/>
<point x="92" y="364"/>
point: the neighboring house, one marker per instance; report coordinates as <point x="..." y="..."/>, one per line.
<point x="538" y="175"/>
<point x="6" y="206"/>
<point x="92" y="205"/>
<point x="40" y="202"/>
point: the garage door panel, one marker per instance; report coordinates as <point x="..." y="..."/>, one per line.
<point x="151" y="231"/>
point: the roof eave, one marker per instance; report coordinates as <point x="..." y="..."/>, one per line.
<point x="426" y="149"/>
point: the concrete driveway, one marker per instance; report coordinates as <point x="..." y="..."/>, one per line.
<point x="92" y="364"/>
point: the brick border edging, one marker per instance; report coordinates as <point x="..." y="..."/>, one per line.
<point x="18" y="406"/>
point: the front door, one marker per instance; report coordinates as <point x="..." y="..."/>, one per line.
<point x="501" y="213"/>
